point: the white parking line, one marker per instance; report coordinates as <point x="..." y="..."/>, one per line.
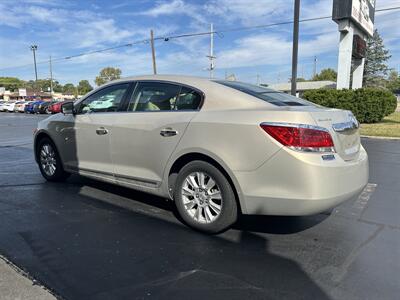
<point x="359" y="205"/>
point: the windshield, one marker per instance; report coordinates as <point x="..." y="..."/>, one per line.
<point x="265" y="94"/>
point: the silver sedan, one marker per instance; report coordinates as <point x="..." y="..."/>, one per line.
<point x="216" y="148"/>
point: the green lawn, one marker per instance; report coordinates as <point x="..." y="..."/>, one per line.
<point x="389" y="127"/>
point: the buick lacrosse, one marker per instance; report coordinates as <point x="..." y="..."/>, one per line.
<point x="216" y="148"/>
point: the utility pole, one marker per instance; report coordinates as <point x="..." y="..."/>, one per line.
<point x="153" y="52"/>
<point x="315" y="67"/>
<point x="34" y="48"/>
<point x="51" y="78"/>
<point x="295" y="45"/>
<point x="211" y="56"/>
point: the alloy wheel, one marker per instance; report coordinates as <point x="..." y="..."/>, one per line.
<point x="202" y="197"/>
<point x="48" y="160"/>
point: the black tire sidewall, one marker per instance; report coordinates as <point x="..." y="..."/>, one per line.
<point x="229" y="207"/>
<point x="59" y="174"/>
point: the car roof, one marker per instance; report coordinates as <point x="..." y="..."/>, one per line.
<point x="217" y="96"/>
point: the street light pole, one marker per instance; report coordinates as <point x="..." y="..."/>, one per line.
<point x="315" y="66"/>
<point x="51" y="78"/>
<point x="295" y="45"/>
<point x="153" y="52"/>
<point x="34" y="48"/>
<point x="211" y="56"/>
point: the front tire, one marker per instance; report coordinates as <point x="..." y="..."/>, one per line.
<point x="204" y="198"/>
<point x="49" y="161"/>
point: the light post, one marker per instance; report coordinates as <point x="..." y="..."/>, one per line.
<point x="295" y="45"/>
<point x="34" y="48"/>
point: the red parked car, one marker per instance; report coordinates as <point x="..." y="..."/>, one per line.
<point x="56" y="107"/>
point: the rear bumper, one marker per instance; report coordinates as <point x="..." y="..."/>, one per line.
<point x="295" y="184"/>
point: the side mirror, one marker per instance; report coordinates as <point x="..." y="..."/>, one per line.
<point x="68" y="108"/>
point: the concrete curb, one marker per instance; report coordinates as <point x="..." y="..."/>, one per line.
<point x="18" y="284"/>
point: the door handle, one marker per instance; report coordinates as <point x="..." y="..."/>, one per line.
<point x="168" y="132"/>
<point x="101" y="131"/>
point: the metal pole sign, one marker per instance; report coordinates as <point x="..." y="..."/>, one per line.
<point x="360" y="12"/>
<point x="355" y="20"/>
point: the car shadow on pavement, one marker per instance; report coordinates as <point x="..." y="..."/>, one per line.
<point x="83" y="248"/>
<point x="253" y="223"/>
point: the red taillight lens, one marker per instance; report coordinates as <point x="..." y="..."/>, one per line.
<point x="301" y="137"/>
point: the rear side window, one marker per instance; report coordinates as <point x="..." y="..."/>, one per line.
<point x="188" y="99"/>
<point x="160" y="96"/>
<point x="265" y="94"/>
<point x="154" y="96"/>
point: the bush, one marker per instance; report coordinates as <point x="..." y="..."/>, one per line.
<point x="369" y="105"/>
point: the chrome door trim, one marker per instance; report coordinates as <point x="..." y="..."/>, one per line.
<point x="121" y="178"/>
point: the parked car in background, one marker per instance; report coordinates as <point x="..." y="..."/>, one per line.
<point x="12" y="107"/>
<point x="2" y="103"/>
<point x="29" y="108"/>
<point x="36" y="106"/>
<point x="7" y="105"/>
<point x="56" y="107"/>
<point x="21" y="107"/>
<point x="216" y="148"/>
<point x="18" y="105"/>
<point x="104" y="103"/>
<point x="43" y="108"/>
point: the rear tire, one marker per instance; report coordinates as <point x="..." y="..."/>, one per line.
<point x="50" y="164"/>
<point x="204" y="198"/>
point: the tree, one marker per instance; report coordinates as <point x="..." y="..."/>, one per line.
<point x="43" y="85"/>
<point x="57" y="87"/>
<point x="393" y="82"/>
<point x="107" y="74"/>
<point x="84" y="87"/>
<point x="326" y="74"/>
<point x="375" y="68"/>
<point x="11" y="83"/>
<point x="69" y="89"/>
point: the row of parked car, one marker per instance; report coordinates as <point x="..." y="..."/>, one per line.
<point x="32" y="107"/>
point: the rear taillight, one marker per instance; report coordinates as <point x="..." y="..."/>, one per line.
<point x="307" y="138"/>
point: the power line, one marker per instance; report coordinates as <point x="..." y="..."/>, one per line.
<point x="244" y="28"/>
<point x="184" y="35"/>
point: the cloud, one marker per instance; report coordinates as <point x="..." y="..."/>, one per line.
<point x="272" y="49"/>
<point x="249" y="12"/>
<point x="176" y="7"/>
<point x="166" y="8"/>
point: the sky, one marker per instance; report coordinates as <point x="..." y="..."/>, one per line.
<point x="62" y="28"/>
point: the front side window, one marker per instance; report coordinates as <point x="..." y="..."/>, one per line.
<point x="154" y="96"/>
<point x="105" y="100"/>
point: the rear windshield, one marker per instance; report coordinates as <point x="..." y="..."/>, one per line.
<point x="265" y="94"/>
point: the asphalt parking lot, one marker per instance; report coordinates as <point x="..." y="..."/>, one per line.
<point x="88" y="240"/>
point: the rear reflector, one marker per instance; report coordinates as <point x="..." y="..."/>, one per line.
<point x="300" y="137"/>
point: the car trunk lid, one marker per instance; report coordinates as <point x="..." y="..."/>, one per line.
<point x="343" y="128"/>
